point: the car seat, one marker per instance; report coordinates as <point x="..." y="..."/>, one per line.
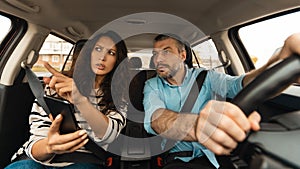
<point x="135" y="153"/>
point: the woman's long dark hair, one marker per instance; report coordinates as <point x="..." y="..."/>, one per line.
<point x="84" y="77"/>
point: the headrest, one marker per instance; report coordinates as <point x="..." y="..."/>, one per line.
<point x="77" y="48"/>
<point x="135" y="62"/>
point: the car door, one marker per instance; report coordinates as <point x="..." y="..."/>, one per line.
<point x="15" y="96"/>
<point x="21" y="42"/>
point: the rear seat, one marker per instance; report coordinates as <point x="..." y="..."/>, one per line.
<point x="135" y="152"/>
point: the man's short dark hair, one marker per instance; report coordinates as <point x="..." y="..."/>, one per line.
<point x="181" y="44"/>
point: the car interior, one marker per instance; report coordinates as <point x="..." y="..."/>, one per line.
<point x="213" y="29"/>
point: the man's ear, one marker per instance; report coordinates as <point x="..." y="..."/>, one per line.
<point x="183" y="55"/>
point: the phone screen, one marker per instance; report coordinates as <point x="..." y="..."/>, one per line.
<point x="66" y="109"/>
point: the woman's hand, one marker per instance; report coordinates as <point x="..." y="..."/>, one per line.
<point x="63" y="85"/>
<point x="55" y="143"/>
<point x="66" y="143"/>
<point x="60" y="83"/>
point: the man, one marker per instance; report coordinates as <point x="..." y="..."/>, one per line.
<point x="212" y="127"/>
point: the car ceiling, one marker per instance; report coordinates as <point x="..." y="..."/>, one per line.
<point x="77" y="19"/>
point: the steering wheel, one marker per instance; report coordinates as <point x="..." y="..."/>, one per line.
<point x="269" y="83"/>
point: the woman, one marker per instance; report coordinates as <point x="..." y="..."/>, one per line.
<point x="100" y="114"/>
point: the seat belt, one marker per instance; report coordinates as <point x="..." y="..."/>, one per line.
<point x="36" y="88"/>
<point x="192" y="97"/>
<point x="188" y="105"/>
<point x="38" y="91"/>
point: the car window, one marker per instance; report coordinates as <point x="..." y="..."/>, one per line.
<point x="262" y="39"/>
<point x="5" y="26"/>
<point x="207" y="56"/>
<point x="206" y="53"/>
<point x="56" y="51"/>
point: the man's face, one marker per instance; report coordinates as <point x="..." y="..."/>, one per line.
<point x="167" y="58"/>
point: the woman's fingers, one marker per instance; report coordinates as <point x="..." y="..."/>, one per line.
<point x="52" y="70"/>
<point x="70" y="146"/>
<point x="63" y="86"/>
<point x="57" y="81"/>
<point x="67" y="142"/>
<point x="54" y="128"/>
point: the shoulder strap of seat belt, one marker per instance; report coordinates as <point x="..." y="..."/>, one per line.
<point x="36" y="88"/>
<point x="190" y="101"/>
<point x="38" y="91"/>
<point x="194" y="92"/>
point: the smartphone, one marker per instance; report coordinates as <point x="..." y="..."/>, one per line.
<point x="66" y="109"/>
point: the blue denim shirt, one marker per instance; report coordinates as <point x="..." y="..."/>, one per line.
<point x="158" y="93"/>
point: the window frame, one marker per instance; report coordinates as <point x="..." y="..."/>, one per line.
<point x="10" y="41"/>
<point x="218" y="67"/>
<point x="51" y="58"/>
<point x="238" y="45"/>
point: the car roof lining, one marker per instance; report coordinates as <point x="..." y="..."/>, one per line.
<point x="87" y="16"/>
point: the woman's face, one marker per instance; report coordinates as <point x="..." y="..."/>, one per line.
<point x="103" y="56"/>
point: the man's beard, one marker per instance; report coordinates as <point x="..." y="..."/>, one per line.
<point x="170" y="73"/>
